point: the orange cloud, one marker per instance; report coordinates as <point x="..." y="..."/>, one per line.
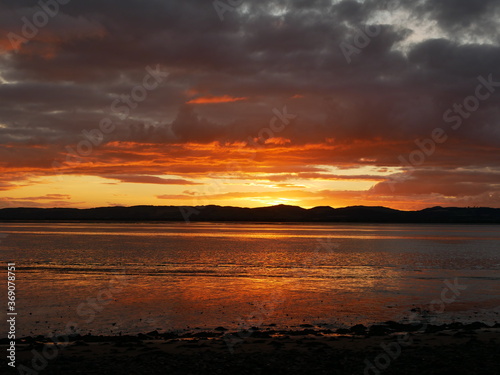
<point x="277" y="141"/>
<point x="139" y="179"/>
<point x="5" y="45"/>
<point x="45" y="197"/>
<point x="247" y="176"/>
<point x="215" y="99"/>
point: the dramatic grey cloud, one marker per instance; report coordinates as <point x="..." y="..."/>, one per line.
<point x="422" y="60"/>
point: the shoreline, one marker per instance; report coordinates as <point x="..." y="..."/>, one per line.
<point x="454" y="348"/>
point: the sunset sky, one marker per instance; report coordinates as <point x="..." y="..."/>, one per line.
<point x="308" y="103"/>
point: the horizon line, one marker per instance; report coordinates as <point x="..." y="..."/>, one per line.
<point x="223" y="206"/>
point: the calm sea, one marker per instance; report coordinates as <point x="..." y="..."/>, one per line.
<point x="109" y="278"/>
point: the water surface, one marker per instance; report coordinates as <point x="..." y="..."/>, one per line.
<point x="206" y="275"/>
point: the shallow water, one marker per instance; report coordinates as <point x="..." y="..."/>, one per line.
<point x="176" y="276"/>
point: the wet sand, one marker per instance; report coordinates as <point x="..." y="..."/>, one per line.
<point x="390" y="348"/>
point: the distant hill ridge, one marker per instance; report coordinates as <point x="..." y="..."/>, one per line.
<point x="280" y="213"/>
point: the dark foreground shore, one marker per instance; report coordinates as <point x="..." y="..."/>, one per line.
<point x="390" y="348"/>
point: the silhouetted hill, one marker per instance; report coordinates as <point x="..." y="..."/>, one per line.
<point x="281" y="213"/>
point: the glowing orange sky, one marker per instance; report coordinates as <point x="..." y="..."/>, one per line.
<point x="130" y="173"/>
<point x="139" y="106"/>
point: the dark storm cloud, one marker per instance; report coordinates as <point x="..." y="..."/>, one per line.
<point x="394" y="91"/>
<point x="455" y="14"/>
